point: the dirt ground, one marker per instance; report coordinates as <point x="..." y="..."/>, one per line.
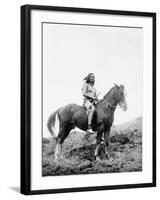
<point x="78" y="152"/>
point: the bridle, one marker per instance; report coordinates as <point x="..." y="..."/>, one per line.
<point x="108" y="105"/>
<point x="112" y="108"/>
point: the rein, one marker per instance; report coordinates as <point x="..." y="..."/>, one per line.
<point x="106" y="103"/>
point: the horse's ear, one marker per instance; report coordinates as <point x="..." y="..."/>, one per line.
<point x="116" y="86"/>
<point x="121" y="87"/>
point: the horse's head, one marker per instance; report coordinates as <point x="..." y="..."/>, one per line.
<point x="121" y="96"/>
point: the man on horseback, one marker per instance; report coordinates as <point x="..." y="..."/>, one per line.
<point x="66" y="118"/>
<point x="89" y="93"/>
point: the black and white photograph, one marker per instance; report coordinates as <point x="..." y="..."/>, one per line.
<point x="92" y="99"/>
<point x="88" y="99"/>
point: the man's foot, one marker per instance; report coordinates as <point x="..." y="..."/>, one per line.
<point x="89" y="130"/>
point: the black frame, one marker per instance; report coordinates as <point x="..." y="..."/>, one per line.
<point x="26" y="97"/>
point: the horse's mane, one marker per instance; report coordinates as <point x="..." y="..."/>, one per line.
<point x="108" y="92"/>
<point x="106" y="95"/>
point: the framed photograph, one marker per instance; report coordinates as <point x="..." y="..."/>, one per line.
<point x="88" y="99"/>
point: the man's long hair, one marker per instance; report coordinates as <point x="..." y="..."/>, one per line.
<point x="87" y="78"/>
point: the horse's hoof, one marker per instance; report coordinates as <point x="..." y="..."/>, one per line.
<point x="102" y="140"/>
<point x="111" y="159"/>
<point x="97" y="158"/>
<point x="57" y="158"/>
<point x="107" y="156"/>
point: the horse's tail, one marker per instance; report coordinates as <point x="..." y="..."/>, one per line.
<point x="53" y="124"/>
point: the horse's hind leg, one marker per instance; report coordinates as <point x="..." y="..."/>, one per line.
<point x="58" y="150"/>
<point x="63" y="133"/>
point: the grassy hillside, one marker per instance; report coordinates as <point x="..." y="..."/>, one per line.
<point x="133" y="125"/>
<point x="78" y="152"/>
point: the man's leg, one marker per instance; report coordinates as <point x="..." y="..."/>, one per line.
<point x="90" y="116"/>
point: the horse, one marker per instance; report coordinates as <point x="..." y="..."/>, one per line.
<point x="66" y="118"/>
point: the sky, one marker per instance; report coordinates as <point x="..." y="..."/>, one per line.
<point x="113" y="54"/>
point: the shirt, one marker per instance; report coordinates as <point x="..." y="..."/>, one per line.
<point x="89" y="90"/>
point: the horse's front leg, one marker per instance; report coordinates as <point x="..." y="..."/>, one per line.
<point x="98" y="142"/>
<point x="106" y="142"/>
<point x="96" y="152"/>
